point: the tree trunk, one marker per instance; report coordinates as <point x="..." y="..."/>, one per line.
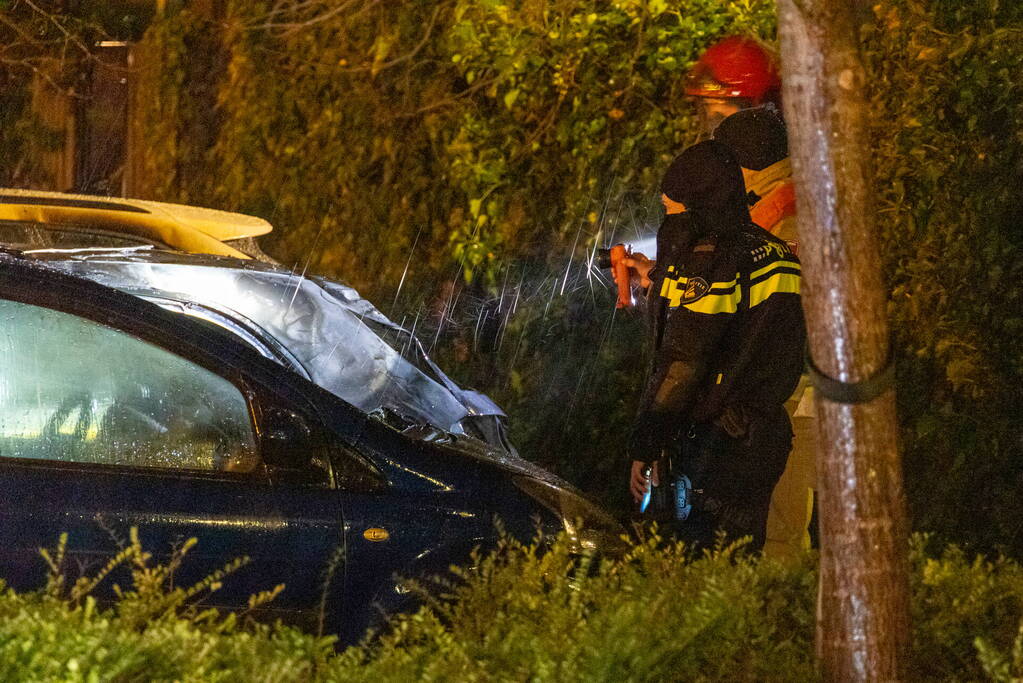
<point x="863" y="614"/>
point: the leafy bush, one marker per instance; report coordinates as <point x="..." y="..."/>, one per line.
<point x="651" y="617"/>
<point x="584" y="107"/>
<point x="154" y="630"/>
<point x="518" y="614"/>
<point x="478" y="130"/>
<point x="949" y="171"/>
<point x="961" y="604"/>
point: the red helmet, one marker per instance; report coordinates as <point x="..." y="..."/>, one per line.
<point x="734" y="67"/>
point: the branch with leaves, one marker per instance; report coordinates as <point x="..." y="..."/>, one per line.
<point x="39" y="38"/>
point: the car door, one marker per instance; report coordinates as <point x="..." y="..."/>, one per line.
<point x="106" y="425"/>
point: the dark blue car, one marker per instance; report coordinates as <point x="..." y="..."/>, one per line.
<point x="119" y="410"/>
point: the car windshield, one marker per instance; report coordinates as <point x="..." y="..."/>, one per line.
<point x="336" y="336"/>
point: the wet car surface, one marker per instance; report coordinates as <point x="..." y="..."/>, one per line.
<point x="117" y="412"/>
<point x="317" y="327"/>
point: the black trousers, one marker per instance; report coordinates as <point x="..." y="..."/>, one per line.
<point x="736" y="476"/>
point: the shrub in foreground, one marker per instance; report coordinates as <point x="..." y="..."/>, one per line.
<point x="524" y="616"/>
<point x="521" y="615"/>
<point x="154" y="631"/>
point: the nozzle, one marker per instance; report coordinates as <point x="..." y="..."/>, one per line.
<point x="614" y="258"/>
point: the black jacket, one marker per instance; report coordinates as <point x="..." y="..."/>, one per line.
<point x="727" y="327"/>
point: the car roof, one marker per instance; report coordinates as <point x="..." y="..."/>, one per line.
<point x="188" y="228"/>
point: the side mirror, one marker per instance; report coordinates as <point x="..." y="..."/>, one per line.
<point x="286" y="439"/>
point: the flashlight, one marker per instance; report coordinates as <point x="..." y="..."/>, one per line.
<point x="614" y="258"/>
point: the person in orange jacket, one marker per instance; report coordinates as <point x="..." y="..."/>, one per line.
<point x="759" y="141"/>
<point x="732" y="76"/>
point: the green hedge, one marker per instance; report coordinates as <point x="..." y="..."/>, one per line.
<point x="949" y="154"/>
<point x="477" y="130"/>
<point x="522" y="615"/>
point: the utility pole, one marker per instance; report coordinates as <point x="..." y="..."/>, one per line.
<point x="863" y="608"/>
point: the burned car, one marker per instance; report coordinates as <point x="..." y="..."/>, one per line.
<point x="220" y="399"/>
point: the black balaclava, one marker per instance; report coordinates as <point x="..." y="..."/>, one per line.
<point x="707" y="179"/>
<point x="757" y="137"/>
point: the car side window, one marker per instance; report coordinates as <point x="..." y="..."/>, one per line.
<point x="73" y="390"/>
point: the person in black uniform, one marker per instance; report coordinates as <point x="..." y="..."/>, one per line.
<point x="728" y="338"/>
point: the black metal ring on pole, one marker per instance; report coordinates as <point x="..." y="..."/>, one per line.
<point x="852" y="392"/>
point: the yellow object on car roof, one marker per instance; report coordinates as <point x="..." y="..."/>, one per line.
<point x="186" y="228"/>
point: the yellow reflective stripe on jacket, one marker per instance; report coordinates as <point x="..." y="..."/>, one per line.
<point x="773" y="266"/>
<point x="673" y="289"/>
<point x="779" y="283"/>
<point x="717" y="303"/>
<point x="726" y="301"/>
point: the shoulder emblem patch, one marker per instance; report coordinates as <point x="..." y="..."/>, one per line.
<point x="699" y="296"/>
<point x="696" y="288"/>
